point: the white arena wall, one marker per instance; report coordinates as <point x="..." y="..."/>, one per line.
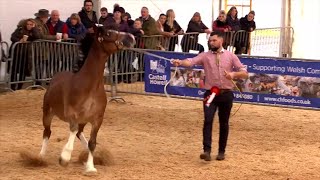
<point x="12" y="11"/>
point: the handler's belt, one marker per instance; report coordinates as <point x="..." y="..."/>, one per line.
<point x="223" y="91"/>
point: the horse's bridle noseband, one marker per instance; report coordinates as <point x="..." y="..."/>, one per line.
<point x="118" y="43"/>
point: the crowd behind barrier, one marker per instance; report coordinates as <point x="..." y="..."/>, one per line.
<point x="33" y="64"/>
<point x="36" y="62"/>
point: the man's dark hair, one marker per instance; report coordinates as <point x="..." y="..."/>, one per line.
<point x="217" y="33"/>
<point x="162" y="15"/>
<point x="104" y="9"/>
<point x="85" y="1"/>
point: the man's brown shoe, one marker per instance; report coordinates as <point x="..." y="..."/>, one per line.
<point x="220" y="157"/>
<point x="205" y="156"/>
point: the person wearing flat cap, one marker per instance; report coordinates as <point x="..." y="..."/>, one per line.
<point x="41" y="19"/>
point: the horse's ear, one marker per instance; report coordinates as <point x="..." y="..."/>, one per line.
<point x="98" y="29"/>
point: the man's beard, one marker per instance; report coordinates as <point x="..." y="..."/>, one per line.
<point x="214" y="49"/>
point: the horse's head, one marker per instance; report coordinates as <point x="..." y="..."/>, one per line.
<point x="113" y="40"/>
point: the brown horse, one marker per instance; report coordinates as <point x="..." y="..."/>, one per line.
<point x="79" y="98"/>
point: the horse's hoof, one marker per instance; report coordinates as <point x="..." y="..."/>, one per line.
<point x="91" y="170"/>
<point x="63" y="162"/>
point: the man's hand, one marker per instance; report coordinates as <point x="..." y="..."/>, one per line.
<point x="176" y="62"/>
<point x="229" y="75"/>
<point x="65" y="36"/>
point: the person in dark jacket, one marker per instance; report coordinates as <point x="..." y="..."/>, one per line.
<point x="76" y="29"/>
<point x="171" y="25"/>
<point x="55" y="25"/>
<point x="104" y="15"/>
<point x="190" y="41"/>
<point x="117" y="20"/>
<point x="89" y="20"/>
<point x="21" y="59"/>
<point x="234" y="23"/>
<point x="88" y="16"/>
<point x="232" y="19"/>
<point x="247" y="24"/>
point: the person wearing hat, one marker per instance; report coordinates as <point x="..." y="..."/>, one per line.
<point x="88" y="16"/>
<point x="117" y="20"/>
<point x="41" y="19"/>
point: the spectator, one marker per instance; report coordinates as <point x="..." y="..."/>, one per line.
<point x="42" y="64"/>
<point x="22" y="56"/>
<point x="117" y="20"/>
<point x="104" y="15"/>
<point x="41" y="20"/>
<point x="150" y="28"/>
<point x="234" y="23"/>
<point x="171" y="25"/>
<point x="165" y="40"/>
<point x="247" y="23"/>
<point x="76" y="29"/>
<point x="136" y="29"/>
<point x="232" y="19"/>
<point x="148" y="23"/>
<point x="127" y="18"/>
<point x="160" y="26"/>
<point x="190" y="41"/>
<point x="88" y="16"/>
<point x="55" y="25"/>
<point x="220" y="24"/>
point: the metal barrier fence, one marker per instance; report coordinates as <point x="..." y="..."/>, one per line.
<point x="35" y="62"/>
<point x="276" y="42"/>
<point x="4" y="53"/>
<point x="38" y="61"/>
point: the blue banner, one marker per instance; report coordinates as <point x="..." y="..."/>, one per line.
<point x="271" y="81"/>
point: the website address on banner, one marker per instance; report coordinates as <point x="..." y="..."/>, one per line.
<point x="287" y="100"/>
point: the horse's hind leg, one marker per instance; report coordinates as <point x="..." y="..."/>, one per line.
<point x="67" y="149"/>
<point x="46" y="120"/>
<point x="92" y="144"/>
<point x="81" y="136"/>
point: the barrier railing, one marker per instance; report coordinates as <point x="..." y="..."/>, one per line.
<point x="38" y="61"/>
<point x="276" y="42"/>
<point x="52" y="57"/>
<point x="35" y="62"/>
<point x="4" y="54"/>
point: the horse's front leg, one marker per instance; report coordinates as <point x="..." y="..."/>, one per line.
<point x="92" y="144"/>
<point x="67" y="149"/>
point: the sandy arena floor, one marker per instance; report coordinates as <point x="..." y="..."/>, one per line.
<point x="161" y="138"/>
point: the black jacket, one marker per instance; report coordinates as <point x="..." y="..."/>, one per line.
<point x="246" y="25"/>
<point x="86" y="21"/>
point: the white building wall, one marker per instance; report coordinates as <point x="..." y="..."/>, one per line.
<point x="305" y="19"/>
<point x="12" y="11"/>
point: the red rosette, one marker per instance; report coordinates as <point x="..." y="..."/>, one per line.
<point x="215" y="90"/>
